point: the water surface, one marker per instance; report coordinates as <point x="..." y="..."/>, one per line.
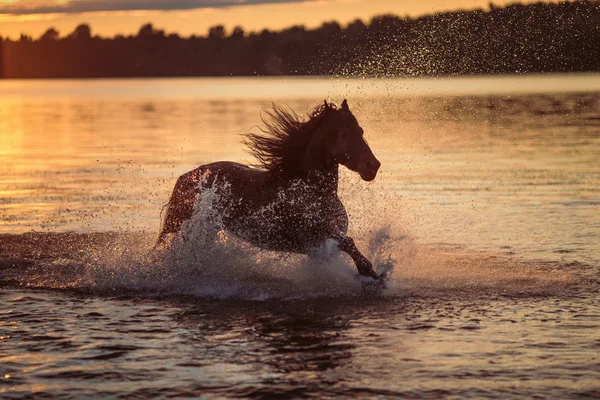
<point x="487" y="206"/>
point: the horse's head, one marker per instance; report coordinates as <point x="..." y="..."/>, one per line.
<point x="346" y="143"/>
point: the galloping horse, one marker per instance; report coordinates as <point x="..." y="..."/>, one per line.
<point x="291" y="202"/>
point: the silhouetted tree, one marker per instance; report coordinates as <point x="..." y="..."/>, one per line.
<point x="541" y="37"/>
<point x="82" y="32"/>
<point x="216" y="32"/>
<point x="356" y="28"/>
<point x="147" y="31"/>
<point x="50" y="35"/>
<point x="238" y="33"/>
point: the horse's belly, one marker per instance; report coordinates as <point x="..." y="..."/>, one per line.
<point x="269" y="234"/>
<point x="281" y="232"/>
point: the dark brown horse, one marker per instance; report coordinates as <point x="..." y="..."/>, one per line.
<point x="291" y="202"/>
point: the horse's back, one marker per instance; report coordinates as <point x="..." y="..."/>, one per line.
<point x="232" y="179"/>
<point x="228" y="171"/>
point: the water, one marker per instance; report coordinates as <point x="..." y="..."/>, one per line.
<point x="486" y="207"/>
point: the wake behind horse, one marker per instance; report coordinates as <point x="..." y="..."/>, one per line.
<point x="290" y="203"/>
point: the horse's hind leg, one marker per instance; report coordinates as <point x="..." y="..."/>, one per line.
<point x="180" y="207"/>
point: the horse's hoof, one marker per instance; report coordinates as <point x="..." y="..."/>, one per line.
<point x="370" y="284"/>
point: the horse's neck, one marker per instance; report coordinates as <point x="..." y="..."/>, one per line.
<point x="316" y="171"/>
<point x="318" y="168"/>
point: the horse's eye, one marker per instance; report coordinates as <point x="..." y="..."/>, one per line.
<point x="343" y="134"/>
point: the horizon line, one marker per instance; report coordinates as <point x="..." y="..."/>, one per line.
<point x="229" y="29"/>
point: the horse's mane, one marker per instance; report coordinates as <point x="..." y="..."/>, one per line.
<point x="282" y="141"/>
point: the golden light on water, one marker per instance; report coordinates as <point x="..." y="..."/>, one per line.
<point x="488" y="189"/>
<point x="81" y="155"/>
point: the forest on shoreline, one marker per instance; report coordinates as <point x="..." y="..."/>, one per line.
<point x="534" y="38"/>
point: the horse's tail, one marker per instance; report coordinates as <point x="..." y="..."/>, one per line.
<point x="162" y="220"/>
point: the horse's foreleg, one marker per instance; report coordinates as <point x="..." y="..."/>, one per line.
<point x="364" y="266"/>
<point x="180" y="206"/>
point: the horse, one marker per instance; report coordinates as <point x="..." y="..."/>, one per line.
<point x="288" y="201"/>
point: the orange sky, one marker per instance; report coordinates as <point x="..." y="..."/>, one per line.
<point x="251" y="17"/>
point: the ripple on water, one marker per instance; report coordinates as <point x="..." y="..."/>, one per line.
<point x="452" y="324"/>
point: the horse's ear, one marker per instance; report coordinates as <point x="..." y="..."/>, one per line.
<point x="345" y="105"/>
<point x="326" y="104"/>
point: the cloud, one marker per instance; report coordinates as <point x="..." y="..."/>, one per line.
<point x="25" y="7"/>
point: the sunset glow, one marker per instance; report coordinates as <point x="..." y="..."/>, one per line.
<point x="252" y="17"/>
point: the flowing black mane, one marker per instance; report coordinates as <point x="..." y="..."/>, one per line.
<point x="280" y="146"/>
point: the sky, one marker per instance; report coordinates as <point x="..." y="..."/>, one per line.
<point x="187" y="17"/>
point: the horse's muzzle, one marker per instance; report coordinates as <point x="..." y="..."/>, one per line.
<point x="368" y="170"/>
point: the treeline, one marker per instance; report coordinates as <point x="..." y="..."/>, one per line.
<point x="542" y="37"/>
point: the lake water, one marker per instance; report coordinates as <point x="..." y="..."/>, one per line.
<point x="487" y="205"/>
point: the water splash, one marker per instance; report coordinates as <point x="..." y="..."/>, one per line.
<point x="205" y="261"/>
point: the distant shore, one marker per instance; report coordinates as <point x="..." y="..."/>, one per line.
<point x="517" y="39"/>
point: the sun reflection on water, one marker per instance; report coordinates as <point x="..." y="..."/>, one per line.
<point x="474" y="166"/>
